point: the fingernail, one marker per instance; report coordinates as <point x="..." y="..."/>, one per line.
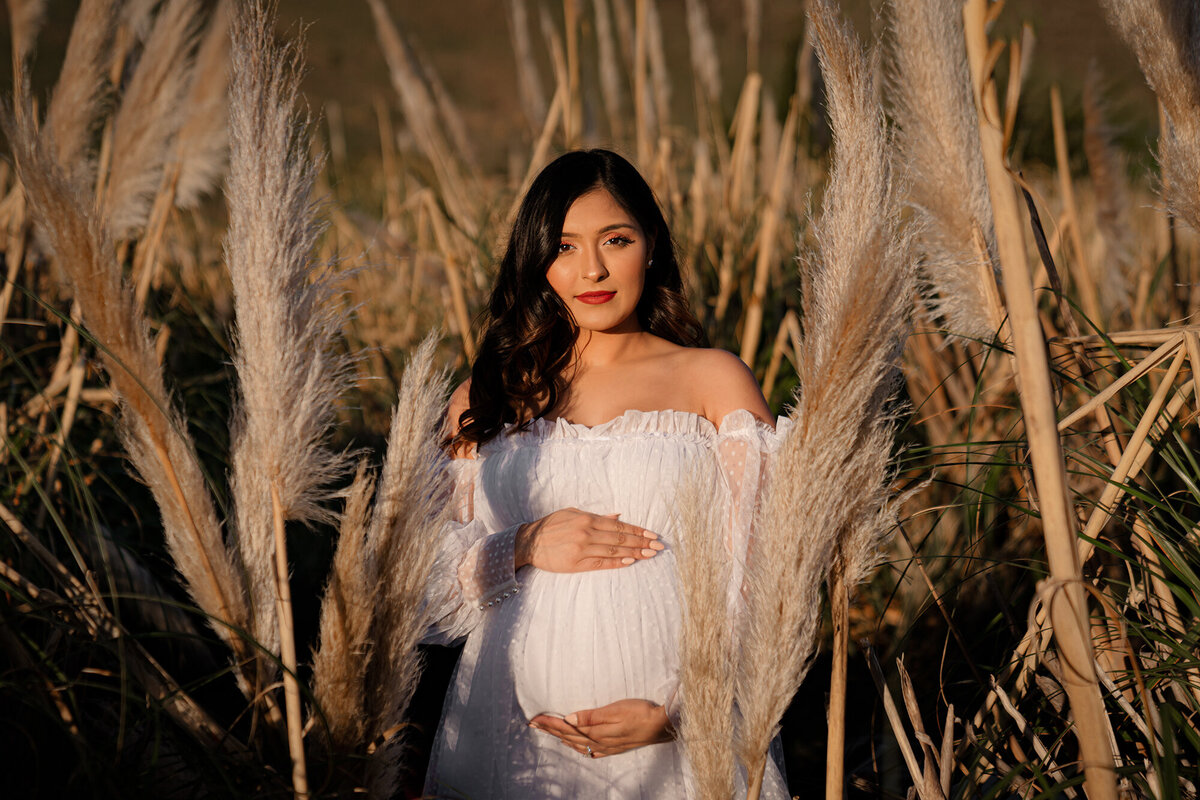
<point x="627" y="560"/>
<point x="647" y="552"/>
<point x="571" y="719"/>
<point x="650" y="535"/>
<point x="657" y="546"/>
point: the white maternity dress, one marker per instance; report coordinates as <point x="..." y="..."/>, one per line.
<point x="542" y="642"/>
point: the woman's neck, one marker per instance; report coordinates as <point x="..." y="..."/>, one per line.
<point x="601" y="349"/>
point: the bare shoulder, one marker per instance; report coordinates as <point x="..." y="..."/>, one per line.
<point x="725" y="384"/>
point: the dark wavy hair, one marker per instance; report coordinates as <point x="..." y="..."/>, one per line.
<point x="518" y="374"/>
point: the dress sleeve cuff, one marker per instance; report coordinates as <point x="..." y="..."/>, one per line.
<point x="488" y="577"/>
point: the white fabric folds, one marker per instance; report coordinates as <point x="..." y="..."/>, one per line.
<point x="541" y="642"/>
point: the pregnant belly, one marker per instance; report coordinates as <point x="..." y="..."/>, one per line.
<point x="588" y="639"/>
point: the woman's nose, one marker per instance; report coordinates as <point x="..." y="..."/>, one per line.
<point x="593" y="265"/>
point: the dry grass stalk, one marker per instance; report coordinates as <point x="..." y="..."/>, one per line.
<point x="1107" y="167"/>
<point x="529" y="81"/>
<point x="541" y="151"/>
<point x="454" y="281"/>
<point x="768" y="139"/>
<point x="573" y="121"/>
<point x="660" y="76"/>
<point x="452" y="118"/>
<point x="421" y="113"/>
<point x="1138" y="450"/>
<point x="608" y="66"/>
<point x="923" y="790"/>
<point x="1088" y="293"/>
<point x="151" y="112"/>
<point x="152" y="429"/>
<point x="707" y="665"/>
<point x="288" y="318"/>
<point x="939" y="138"/>
<point x="85" y="605"/>
<point x="79" y="95"/>
<point x="753" y="17"/>
<point x="287" y="649"/>
<point x="738" y="188"/>
<point x="25" y="18"/>
<point x="1037" y="406"/>
<point x="340" y="661"/>
<point x="643" y="113"/>
<point x="931" y="775"/>
<point x="828" y="496"/>
<point x="402" y="542"/>
<point x="202" y="145"/>
<point x="706" y="65"/>
<point x="1165" y="37"/>
<point x="768" y="233"/>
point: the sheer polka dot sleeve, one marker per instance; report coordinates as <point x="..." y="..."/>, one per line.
<point x="743" y="447"/>
<point x="474" y="569"/>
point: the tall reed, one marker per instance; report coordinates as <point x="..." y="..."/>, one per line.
<point x="1068" y="612"/>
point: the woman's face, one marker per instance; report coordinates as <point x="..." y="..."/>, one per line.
<point x="601" y="264"/>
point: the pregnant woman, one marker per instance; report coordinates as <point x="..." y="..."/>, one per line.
<point x="591" y="401"/>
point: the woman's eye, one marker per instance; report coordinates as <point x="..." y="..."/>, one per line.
<point x="620" y="241"/>
<point x="563" y="247"/>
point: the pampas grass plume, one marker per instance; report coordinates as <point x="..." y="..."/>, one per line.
<point x="829" y="479"/>
<point x="202" y="145"/>
<point x="1165" y="37"/>
<point x="939" y="137"/>
<point x="706" y="667"/>
<point x="149" y="117"/>
<point x="25" y="18"/>
<point x="79" y="95"/>
<point x="154" y="432"/>
<point x="402" y="545"/>
<point x="340" y="661"/>
<point x="288" y="315"/>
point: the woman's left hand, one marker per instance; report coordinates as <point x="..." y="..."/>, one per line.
<point x="611" y="729"/>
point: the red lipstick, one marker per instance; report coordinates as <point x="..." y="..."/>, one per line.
<point x="595" y="298"/>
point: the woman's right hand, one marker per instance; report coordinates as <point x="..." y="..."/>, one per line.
<point x="570" y="540"/>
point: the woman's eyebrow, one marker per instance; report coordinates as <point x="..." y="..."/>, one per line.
<point x="615" y="226"/>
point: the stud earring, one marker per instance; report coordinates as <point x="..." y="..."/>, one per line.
<point x="650" y="263"/>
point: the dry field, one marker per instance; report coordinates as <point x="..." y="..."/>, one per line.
<point x="962" y="258"/>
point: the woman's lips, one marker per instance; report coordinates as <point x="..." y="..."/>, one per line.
<point x="595" y="298"/>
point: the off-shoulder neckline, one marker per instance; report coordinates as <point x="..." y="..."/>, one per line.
<point x="662" y="420"/>
<point x="665" y="422"/>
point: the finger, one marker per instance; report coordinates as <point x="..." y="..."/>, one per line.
<point x="623" y="539"/>
<point x="592" y="563"/>
<point x="612" y="551"/>
<point x="612" y="525"/>
<point x="554" y="726"/>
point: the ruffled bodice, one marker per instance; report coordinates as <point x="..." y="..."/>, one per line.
<point x="542" y="642"/>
